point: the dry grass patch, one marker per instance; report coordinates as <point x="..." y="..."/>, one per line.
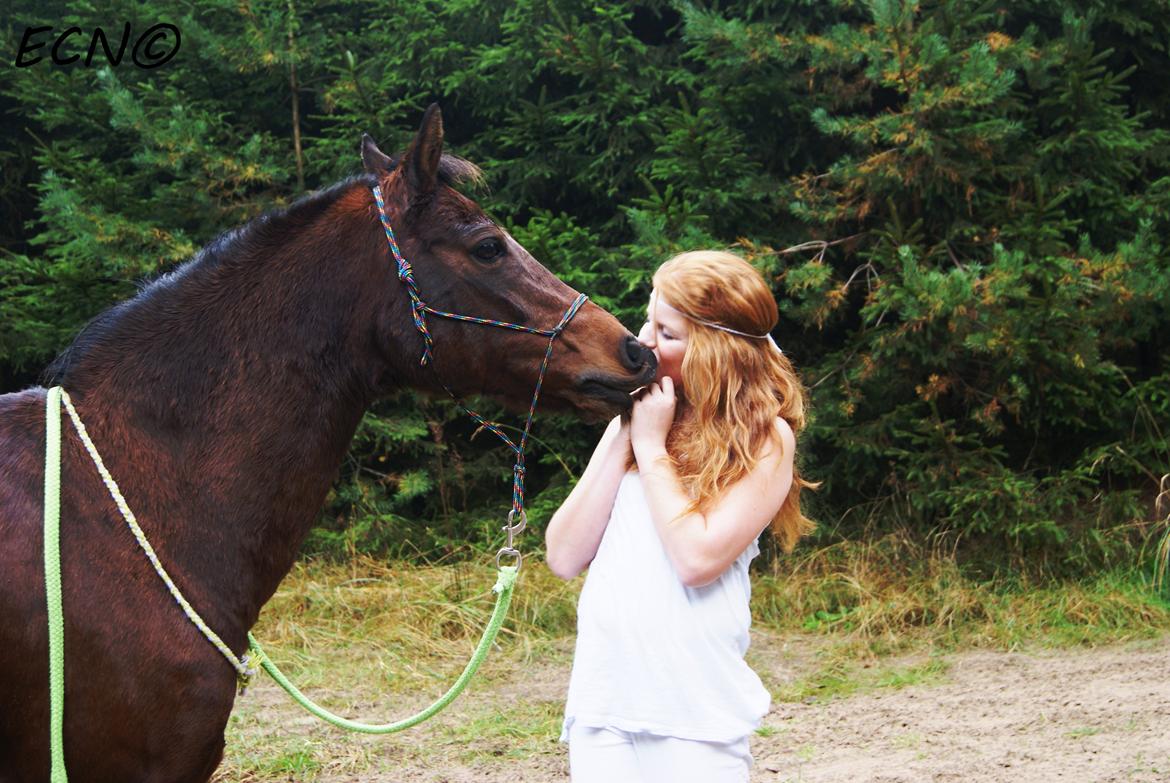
<point x="889" y="597"/>
<point x="377" y="641"/>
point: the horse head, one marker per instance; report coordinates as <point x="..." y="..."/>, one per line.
<point x="464" y="262"/>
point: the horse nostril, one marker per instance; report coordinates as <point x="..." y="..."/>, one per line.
<point x="634" y="355"/>
<point x="631" y="352"/>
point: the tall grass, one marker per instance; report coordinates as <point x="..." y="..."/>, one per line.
<point x="403" y="626"/>
<point x="337" y="626"/>
<point x="1162" y="553"/>
<point x="892" y="594"/>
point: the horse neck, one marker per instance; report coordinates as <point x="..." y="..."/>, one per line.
<point x="225" y="397"/>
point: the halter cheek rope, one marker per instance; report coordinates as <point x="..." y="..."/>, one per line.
<point x="517" y="521"/>
<point x="418" y="309"/>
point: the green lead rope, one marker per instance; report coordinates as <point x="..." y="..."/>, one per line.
<point x="503" y="590"/>
<point x="53" y="585"/>
<point x="505" y="583"/>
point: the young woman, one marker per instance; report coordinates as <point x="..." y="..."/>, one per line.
<point x="660" y="690"/>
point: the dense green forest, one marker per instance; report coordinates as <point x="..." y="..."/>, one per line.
<point x="962" y="207"/>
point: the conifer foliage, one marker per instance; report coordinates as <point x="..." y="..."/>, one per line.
<point x="962" y="206"/>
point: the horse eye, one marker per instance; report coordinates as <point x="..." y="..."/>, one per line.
<point x="488" y="250"/>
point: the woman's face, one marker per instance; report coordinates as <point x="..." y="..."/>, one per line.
<point x="665" y="331"/>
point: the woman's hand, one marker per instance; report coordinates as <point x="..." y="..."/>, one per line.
<point x="651" y="419"/>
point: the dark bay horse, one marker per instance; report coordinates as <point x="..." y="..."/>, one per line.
<point x="222" y="398"/>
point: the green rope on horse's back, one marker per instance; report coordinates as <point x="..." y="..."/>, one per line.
<point x="52" y="547"/>
<point x="57" y="398"/>
<point x="503" y="590"/>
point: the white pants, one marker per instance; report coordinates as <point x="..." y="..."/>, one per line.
<point x="614" y="756"/>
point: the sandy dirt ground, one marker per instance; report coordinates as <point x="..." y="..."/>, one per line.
<point x="1084" y="716"/>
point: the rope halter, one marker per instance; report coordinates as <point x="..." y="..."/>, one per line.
<point x="517" y="518"/>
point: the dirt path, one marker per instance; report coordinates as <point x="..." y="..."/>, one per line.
<point x="1084" y="716"/>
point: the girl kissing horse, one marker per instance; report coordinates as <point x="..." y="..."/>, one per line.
<point x="222" y="399"/>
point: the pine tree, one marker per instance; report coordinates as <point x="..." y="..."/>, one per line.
<point x="961" y="206"/>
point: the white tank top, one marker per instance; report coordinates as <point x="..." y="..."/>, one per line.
<point x="654" y="655"/>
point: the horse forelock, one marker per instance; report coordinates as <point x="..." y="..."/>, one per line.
<point x="453" y="171"/>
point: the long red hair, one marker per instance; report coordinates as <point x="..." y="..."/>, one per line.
<point x="733" y="387"/>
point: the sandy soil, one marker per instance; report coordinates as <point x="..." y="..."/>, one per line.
<point x="1088" y="716"/>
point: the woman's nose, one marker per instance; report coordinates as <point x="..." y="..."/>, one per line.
<point x="646" y="335"/>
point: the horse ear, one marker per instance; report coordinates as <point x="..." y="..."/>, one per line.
<point x="373" y="159"/>
<point x="422" y="159"/>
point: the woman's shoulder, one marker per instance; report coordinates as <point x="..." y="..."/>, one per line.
<point x="784" y="430"/>
<point x="781" y="434"/>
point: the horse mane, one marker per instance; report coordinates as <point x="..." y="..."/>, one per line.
<point x="274" y="225"/>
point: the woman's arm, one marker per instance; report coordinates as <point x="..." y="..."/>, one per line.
<point x="574" y="532"/>
<point x="702" y="546"/>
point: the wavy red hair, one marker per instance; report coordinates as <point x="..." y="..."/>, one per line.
<point x="734" y="387"/>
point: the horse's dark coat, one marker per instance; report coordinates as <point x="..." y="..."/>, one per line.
<point x="223" y="398"/>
